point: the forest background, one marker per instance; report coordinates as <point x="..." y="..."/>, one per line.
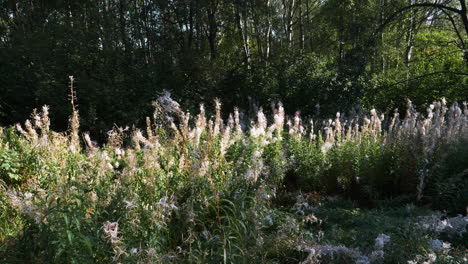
<point x="337" y="54"/>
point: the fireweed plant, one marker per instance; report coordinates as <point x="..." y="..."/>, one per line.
<point x="207" y="190"/>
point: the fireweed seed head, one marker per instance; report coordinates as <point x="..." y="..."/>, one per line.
<point x="168" y="104"/>
<point x="151" y="252"/>
<point x="381" y="240"/>
<point x="111" y="231"/>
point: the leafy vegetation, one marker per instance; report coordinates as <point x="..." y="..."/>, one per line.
<point x="338" y="54"/>
<point x="257" y="185"/>
<point x="208" y="190"/>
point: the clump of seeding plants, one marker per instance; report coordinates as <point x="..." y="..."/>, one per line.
<point x="202" y="189"/>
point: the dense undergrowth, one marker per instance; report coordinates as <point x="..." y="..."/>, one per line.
<point x="366" y="189"/>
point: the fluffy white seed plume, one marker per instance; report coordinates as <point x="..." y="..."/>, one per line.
<point x="31" y="131"/>
<point x="296" y="129"/>
<point x="74" y="123"/>
<point x="261" y="120"/>
<point x="312" y="134"/>
<point x="24" y="203"/>
<point x="375" y="124"/>
<point x="395" y="121"/>
<point x="138" y="138"/>
<point x="256" y="168"/>
<point x="259" y="129"/>
<point x="316" y="251"/>
<point x="438" y="245"/>
<point x="237" y="123"/>
<point x="230" y="122"/>
<point x="111" y="231"/>
<point x="226" y="141"/>
<point x="184" y="124"/>
<point x="337" y="124"/>
<point x="88" y="142"/>
<point x="210" y="128"/>
<point x="21" y="131"/>
<point x="200" y="126"/>
<point x="45" y="118"/>
<point x="218" y="123"/>
<point x="381" y="240"/>
<point x="149" y="130"/>
<point x="275" y="130"/>
<point x="169" y="105"/>
<point x="279" y="120"/>
<point x="43" y="123"/>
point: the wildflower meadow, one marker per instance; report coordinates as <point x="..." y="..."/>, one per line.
<point x="260" y="187"/>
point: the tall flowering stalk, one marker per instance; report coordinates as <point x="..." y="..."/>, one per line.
<point x="74" y="121"/>
<point x="112" y="235"/>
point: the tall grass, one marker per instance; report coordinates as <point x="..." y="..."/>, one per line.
<point x="200" y="189"/>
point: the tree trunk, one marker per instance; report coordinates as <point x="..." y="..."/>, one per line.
<point x="464" y="18"/>
<point x="123" y="31"/>
<point x="409" y="40"/>
<point x="212" y="27"/>
<point x="301" y="28"/>
<point x="268" y="34"/>
<point x="243" y="34"/>
<point x="190" y="36"/>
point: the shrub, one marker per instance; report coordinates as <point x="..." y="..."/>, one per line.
<point x="448" y="182"/>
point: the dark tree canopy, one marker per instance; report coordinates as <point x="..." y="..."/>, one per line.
<point x="123" y="54"/>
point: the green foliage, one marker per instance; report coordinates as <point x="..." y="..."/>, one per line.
<point x="448" y="185"/>
<point x="276" y="160"/>
<point x="355" y="227"/>
<point x="308" y="162"/>
<point x="212" y="192"/>
<point x="18" y="162"/>
<point x="368" y="171"/>
<point x="125" y="53"/>
<point x="10" y="165"/>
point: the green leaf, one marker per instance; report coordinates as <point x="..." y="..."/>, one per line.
<point x="70" y="237"/>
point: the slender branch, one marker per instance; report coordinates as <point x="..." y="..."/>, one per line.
<point x="424" y="76"/>
<point x="464" y="16"/>
<point x="454" y="25"/>
<point x="404" y="9"/>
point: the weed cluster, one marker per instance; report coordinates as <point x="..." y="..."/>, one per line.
<point x="205" y="189"/>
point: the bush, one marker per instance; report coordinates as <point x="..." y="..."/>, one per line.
<point x="448" y="182"/>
